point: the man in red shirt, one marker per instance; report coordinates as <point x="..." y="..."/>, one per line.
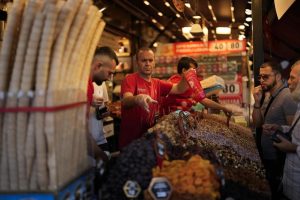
<point x="184" y="101"/>
<point x="141" y="96"/>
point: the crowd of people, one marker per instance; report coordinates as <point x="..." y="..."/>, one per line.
<point x="145" y="98"/>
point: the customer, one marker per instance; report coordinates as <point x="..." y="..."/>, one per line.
<point x="141" y="94"/>
<point x="185" y="101"/>
<point x="291" y="173"/>
<point x="103" y="65"/>
<point x="279" y="108"/>
<point x="98" y="111"/>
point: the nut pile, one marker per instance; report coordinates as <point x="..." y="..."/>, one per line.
<point x="233" y="146"/>
<point x="192" y="179"/>
<point x="134" y="163"/>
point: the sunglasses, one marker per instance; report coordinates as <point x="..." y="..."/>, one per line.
<point x="265" y="77"/>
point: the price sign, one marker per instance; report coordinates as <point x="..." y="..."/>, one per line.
<point x="231" y="89"/>
<point x="131" y="189"/>
<point x="160" y="148"/>
<point x="235" y="45"/>
<point x="160" y="188"/>
<point x="227" y="46"/>
<point x="217" y="46"/>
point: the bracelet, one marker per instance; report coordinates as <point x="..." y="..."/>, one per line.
<point x="256" y="107"/>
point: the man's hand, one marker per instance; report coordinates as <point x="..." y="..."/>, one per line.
<point x="257" y="94"/>
<point x="144" y="100"/>
<point x="97" y="101"/>
<point x="285" y="145"/>
<point x="269" y="129"/>
<point x="228" y="112"/>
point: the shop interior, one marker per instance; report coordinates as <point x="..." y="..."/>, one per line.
<point x="199" y="153"/>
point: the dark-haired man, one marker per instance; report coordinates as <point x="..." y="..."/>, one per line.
<point x="185" y="101"/>
<point x="102" y="69"/>
<point x="277" y="107"/>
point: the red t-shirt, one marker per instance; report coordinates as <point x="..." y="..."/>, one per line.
<point x="182" y="101"/>
<point x="135" y="121"/>
<point x="90" y="91"/>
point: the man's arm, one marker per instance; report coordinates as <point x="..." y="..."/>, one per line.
<point x="180" y="87"/>
<point x="214" y="105"/>
<point x="256" y="114"/>
<point x="285" y="145"/>
<point x="94" y="150"/>
<point x="142" y="100"/>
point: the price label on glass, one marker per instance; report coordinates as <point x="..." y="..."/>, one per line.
<point x="131" y="189"/>
<point x="160" y="188"/>
<point x="160" y="148"/>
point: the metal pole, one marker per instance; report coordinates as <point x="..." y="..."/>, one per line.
<point x="257" y="35"/>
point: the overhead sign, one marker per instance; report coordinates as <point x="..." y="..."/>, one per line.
<point x="185" y="48"/>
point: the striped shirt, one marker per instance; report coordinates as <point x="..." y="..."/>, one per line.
<point x="291" y="174"/>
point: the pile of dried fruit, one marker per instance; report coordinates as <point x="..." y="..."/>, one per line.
<point x="134" y="163"/>
<point x="192" y="179"/>
<point x="233" y="146"/>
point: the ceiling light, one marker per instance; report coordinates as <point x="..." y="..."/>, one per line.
<point x="160" y="14"/>
<point x="246" y="24"/>
<point x="223" y="30"/>
<point x="178" y="15"/>
<point x="250" y="2"/>
<point x="155" y="44"/>
<point x="214" y="18"/>
<point x="161" y="27"/>
<point x="196" y="29"/>
<point x="209" y="7"/>
<point x="248" y="11"/>
<point x="186" y="29"/>
<point x="186" y="32"/>
<point x="249" y="44"/>
<point x="167" y="4"/>
<point x="213" y="31"/>
<point x="173" y="37"/>
<point x="248" y="19"/>
<point x="197" y="17"/>
<point x="154" y="21"/>
<point x="233" y="19"/>
<point x="241" y="27"/>
<point x="205" y="30"/>
<point x="187" y="4"/>
<point x="102" y="9"/>
<point x="147" y="3"/>
<point x="232" y="8"/>
<point x="241" y="37"/>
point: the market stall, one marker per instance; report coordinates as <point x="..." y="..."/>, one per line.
<point x="226" y="150"/>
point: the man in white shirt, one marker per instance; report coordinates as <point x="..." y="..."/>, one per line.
<point x="291" y="173"/>
<point x="96" y="125"/>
